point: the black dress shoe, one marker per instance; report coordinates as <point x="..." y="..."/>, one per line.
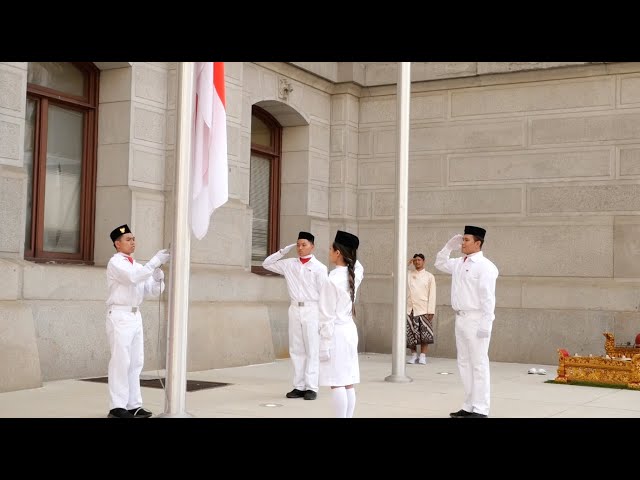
<point x="295" y="393"/>
<point x="477" y="415"/>
<point x="460" y="414"/>
<point x="310" y="395"/>
<point x="140" y="412"/>
<point x="119" y="413"/>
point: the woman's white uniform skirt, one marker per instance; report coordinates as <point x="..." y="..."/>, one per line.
<point x="342" y="368"/>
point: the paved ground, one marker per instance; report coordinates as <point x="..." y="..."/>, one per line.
<point x="515" y="394"/>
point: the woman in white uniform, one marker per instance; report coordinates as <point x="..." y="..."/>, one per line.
<point x="339" y="367"/>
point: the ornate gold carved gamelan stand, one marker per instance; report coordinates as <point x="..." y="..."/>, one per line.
<point x="621" y="368"/>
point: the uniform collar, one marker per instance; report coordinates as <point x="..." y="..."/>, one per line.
<point x="307" y="259"/>
<point x="474" y="257"/>
<point x="126" y="257"/>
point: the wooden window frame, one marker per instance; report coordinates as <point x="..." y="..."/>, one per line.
<point x="88" y="104"/>
<point x="274" y="155"/>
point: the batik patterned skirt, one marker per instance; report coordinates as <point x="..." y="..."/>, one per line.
<point x="419" y="330"/>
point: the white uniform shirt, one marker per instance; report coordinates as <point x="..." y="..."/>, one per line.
<point x="129" y="283"/>
<point x="473" y="283"/>
<point x="421" y="292"/>
<point x="304" y="281"/>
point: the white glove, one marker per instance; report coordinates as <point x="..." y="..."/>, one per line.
<point x="158" y="275"/>
<point x="325" y="330"/>
<point x="287" y="249"/>
<point x="482" y="333"/>
<point x="325" y="355"/>
<point x="160" y="258"/>
<point x="455" y="242"/>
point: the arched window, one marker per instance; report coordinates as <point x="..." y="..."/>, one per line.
<point x="60" y="158"/>
<point x="264" y="190"/>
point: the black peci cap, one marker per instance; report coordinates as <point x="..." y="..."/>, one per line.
<point x="119" y="231"/>
<point x="306" y="236"/>
<point x="477" y="231"/>
<point x="347" y="239"/>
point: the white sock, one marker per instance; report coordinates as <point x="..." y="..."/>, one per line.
<point x="351" y="401"/>
<point x="339" y="401"/>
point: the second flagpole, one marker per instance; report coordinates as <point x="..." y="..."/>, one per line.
<point x="402" y="202"/>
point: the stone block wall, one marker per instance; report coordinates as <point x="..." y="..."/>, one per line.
<point x="545" y="156"/>
<point x="548" y="165"/>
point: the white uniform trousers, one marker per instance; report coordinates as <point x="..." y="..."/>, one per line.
<point x="473" y="363"/>
<point x="124" y="331"/>
<point x="304" y="345"/>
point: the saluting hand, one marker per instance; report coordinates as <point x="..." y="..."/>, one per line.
<point x="455" y="242"/>
<point x="287" y="249"/>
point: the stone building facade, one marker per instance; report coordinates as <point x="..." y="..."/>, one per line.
<point x="545" y="156"/>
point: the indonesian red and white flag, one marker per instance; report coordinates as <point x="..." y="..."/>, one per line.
<point x="209" y="172"/>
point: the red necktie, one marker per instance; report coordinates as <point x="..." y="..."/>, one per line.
<point x="305" y="260"/>
<point x="465" y="259"/>
<point x="130" y="259"/>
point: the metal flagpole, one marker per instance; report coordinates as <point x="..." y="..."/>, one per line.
<point x="402" y="195"/>
<point x="180" y="253"/>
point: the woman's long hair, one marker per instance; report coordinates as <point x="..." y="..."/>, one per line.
<point x="350" y="256"/>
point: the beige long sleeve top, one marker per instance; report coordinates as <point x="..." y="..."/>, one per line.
<point x="421" y="292"/>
